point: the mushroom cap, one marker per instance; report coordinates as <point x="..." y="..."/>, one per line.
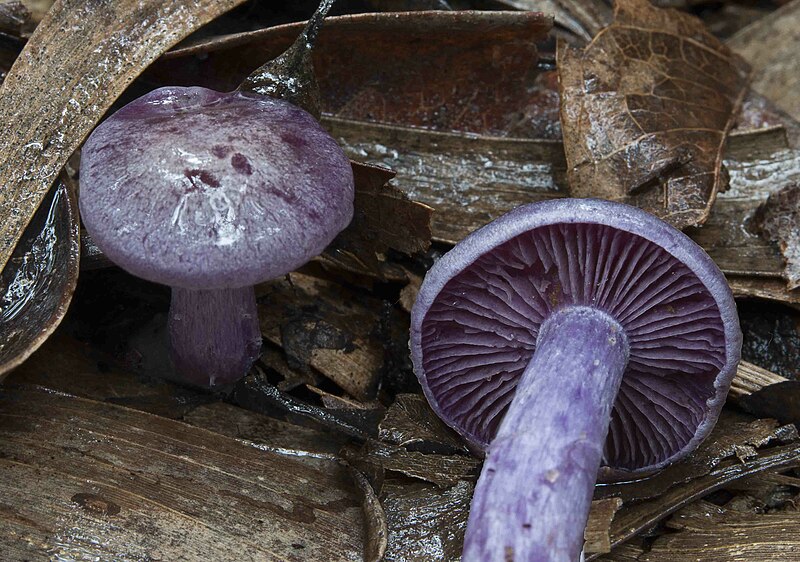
<point x="475" y="323"/>
<point x="200" y="189"/>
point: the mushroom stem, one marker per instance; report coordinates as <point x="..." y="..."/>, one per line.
<point x="532" y="500"/>
<point x="214" y="333"/>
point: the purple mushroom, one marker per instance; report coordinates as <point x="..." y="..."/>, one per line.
<point x="563" y="336"/>
<point x="211" y="193"/>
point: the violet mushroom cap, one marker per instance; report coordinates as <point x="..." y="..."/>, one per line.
<point x="593" y="270"/>
<point x="211" y="193"/>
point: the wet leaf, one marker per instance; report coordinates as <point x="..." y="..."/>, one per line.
<point x="770" y="46"/>
<point x="583" y="19"/>
<point x="83" y="480"/>
<point x="645" y="113"/>
<point x="79" y="59"/>
<point x="411" y="69"/>
<point x="411" y="423"/>
<point x="384" y="218"/>
<point x="290" y="76"/>
<point x="778" y="220"/>
<point x="254" y="392"/>
<point x="425" y="523"/>
<point x="376" y="531"/>
<point x="37" y="285"/>
<point x="64" y="364"/>
<point x="759" y="163"/>
<point x="267" y="432"/>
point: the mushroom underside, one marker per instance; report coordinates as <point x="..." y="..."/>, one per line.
<point x="480" y="333"/>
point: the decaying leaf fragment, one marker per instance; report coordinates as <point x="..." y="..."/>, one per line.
<point x="778" y="220"/>
<point x="645" y="111"/>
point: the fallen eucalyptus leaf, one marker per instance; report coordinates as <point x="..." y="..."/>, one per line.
<point x="778" y="220"/>
<point x="412" y="68"/>
<point x="467" y="180"/>
<point x="770" y="46"/>
<point x="254" y="392"/>
<point x="645" y="113"/>
<point x="37" y="284"/>
<point x="375" y="529"/>
<point x="442" y="470"/>
<point x="424" y="522"/>
<point x="87" y="480"/>
<point x="77" y="62"/>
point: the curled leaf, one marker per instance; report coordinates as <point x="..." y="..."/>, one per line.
<point x="646" y="109"/>
<point x="37" y="284"/>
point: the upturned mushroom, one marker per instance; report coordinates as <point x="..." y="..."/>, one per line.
<point x="211" y="193"/>
<point x="564" y="336"/>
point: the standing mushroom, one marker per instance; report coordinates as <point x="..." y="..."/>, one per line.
<point x="211" y="193"/>
<point x="563" y="336"/>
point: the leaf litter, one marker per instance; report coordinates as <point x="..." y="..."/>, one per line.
<point x="410" y="479"/>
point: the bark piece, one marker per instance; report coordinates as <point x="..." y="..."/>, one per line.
<point x="646" y="109"/>
<point x="410" y="423"/>
<point x="715" y="534"/>
<point x="778" y="220"/>
<point x="82" y="479"/>
<point x="324" y="326"/>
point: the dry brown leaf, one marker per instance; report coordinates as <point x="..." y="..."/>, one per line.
<point x="645" y="111"/>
